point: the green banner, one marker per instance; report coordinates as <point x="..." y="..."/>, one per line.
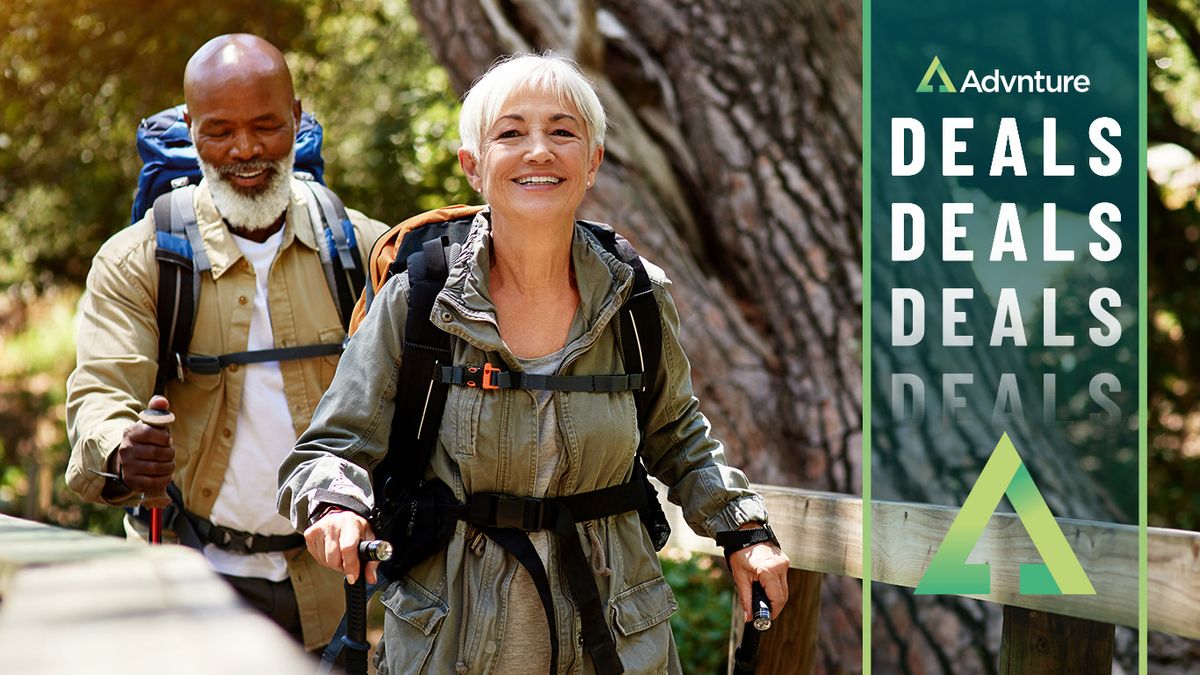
<point x="1003" y="199"/>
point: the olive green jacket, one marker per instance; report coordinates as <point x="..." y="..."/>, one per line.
<point x="449" y="612"/>
<point x="117" y="359"/>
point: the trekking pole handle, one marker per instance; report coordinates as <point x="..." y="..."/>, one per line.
<point x="375" y="550"/>
<point x="355" y="639"/>
<point x="745" y="657"/>
<point x="160" y="419"/>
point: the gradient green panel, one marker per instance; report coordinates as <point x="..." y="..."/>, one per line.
<point x="1070" y="411"/>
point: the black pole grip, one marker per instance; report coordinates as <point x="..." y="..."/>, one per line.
<point x="745" y="657"/>
<point x="355" y="640"/>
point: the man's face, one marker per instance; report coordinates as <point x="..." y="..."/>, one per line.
<point x="243" y="126"/>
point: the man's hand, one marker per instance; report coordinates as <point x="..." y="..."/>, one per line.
<point x="333" y="542"/>
<point x="766" y="564"/>
<point x="145" y="459"/>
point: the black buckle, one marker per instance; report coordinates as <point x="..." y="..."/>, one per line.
<point x="205" y="365"/>
<point x="519" y="513"/>
<point x="228" y="539"/>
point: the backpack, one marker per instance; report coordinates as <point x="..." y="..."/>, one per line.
<point x="167" y="183"/>
<point x="167" y="153"/>
<point x="418" y="517"/>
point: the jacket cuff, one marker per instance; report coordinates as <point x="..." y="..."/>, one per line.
<point x="321" y="499"/>
<point x="736" y="513"/>
<point x="93" y="456"/>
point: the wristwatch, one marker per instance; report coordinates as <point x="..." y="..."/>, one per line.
<point x="735" y="540"/>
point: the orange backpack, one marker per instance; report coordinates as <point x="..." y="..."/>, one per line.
<point x="383" y="253"/>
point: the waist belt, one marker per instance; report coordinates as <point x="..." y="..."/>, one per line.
<point x="196" y="532"/>
<point x="508" y="520"/>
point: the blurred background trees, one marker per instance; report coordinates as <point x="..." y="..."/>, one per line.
<point x="700" y="192"/>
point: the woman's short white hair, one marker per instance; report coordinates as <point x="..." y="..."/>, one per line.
<point x="554" y="75"/>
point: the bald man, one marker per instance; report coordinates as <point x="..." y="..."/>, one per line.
<point x="267" y="289"/>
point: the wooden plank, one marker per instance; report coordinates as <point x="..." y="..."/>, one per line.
<point x="790" y="647"/>
<point x="1040" y="642"/>
<point x="80" y="603"/>
<point x="822" y="532"/>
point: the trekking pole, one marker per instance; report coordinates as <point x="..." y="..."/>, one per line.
<point x="355" y="639"/>
<point x="156" y="501"/>
<point x="745" y="657"/>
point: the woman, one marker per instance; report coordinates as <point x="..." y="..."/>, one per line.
<point x="536" y="292"/>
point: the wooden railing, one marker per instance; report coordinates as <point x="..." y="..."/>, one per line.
<point x="58" y="586"/>
<point x="71" y="602"/>
<point x="822" y="534"/>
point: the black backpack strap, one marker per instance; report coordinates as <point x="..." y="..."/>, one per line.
<point x="420" y="398"/>
<point x="640" y="331"/>
<point x="339" y="251"/>
<point x="181" y="258"/>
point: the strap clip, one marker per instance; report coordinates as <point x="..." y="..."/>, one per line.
<point x="203" y="364"/>
<point x="519" y="513"/>
<point x="483" y="377"/>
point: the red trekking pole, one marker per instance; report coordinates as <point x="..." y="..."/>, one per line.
<point x="156" y="501"/>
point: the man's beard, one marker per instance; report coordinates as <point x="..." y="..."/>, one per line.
<point x="251" y="209"/>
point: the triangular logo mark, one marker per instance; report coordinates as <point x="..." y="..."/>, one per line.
<point x="1005" y="474"/>
<point x="935" y="66"/>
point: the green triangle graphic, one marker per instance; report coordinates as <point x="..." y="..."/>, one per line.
<point x="935" y="66"/>
<point x="1005" y="474"/>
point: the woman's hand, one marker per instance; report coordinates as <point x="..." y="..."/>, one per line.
<point x="333" y="542"/>
<point x="766" y="564"/>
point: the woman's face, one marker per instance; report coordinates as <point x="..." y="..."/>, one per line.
<point x="534" y="161"/>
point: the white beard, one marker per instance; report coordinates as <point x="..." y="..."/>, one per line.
<point x="251" y="211"/>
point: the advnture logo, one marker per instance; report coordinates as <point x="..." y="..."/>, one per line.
<point x="935" y="67"/>
<point x="1005" y="474"/>
<point x="996" y="82"/>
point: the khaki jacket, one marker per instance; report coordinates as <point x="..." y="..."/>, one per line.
<point x="117" y="358"/>
<point x="448" y="612"/>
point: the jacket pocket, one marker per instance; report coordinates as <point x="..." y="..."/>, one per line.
<point x="329" y="363"/>
<point x="643" y="633"/>
<point x="412" y="619"/>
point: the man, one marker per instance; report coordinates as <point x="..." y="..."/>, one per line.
<point x="267" y="289"/>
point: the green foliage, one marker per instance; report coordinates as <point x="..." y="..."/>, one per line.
<point x="704" y="591"/>
<point x="388" y="108"/>
<point x="1173" y="219"/>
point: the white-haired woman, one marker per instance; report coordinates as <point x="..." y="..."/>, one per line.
<point x="532" y="291"/>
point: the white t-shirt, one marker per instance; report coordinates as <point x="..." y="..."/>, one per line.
<point x="264" y="437"/>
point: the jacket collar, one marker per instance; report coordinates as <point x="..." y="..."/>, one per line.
<point x="223" y="252"/>
<point x="465" y="308"/>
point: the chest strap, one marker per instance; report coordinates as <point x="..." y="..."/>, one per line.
<point x="211" y="365"/>
<point x="488" y="376"/>
<point x="508" y="520"/>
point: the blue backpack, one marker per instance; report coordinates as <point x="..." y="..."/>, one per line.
<point x="167" y="155"/>
<point x="166" y="185"/>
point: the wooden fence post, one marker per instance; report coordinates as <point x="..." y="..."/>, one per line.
<point x="1040" y="642"/>
<point x="791" y="645"/>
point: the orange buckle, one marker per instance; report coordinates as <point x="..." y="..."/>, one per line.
<point x="489" y="373"/>
<point x="487" y="381"/>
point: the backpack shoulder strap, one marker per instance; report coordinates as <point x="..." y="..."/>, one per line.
<point x="418" y="413"/>
<point x="640" y="332"/>
<point x="344" y="271"/>
<point x="639" y="324"/>
<point x="181" y="258"/>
